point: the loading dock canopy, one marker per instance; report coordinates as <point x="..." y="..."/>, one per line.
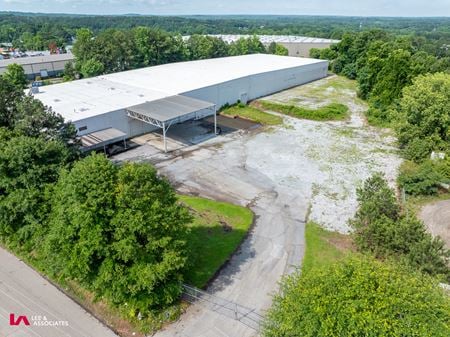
<point x="170" y="110"/>
<point x="102" y="138"/>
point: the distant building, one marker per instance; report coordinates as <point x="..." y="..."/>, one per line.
<point x="296" y="45"/>
<point x="43" y="66"/>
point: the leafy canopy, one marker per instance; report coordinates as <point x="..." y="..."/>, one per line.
<point x="359" y="297"/>
<point x="120" y="232"/>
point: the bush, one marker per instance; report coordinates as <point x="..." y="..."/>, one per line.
<point x="420" y="179"/>
<point x="383" y="231"/>
<point x="359" y="297"/>
<point x="418" y="149"/>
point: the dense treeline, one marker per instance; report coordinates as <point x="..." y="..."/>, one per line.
<point x="117" y="231"/>
<point x="37" y="31"/>
<point x="117" y="50"/>
<point x="359" y="296"/>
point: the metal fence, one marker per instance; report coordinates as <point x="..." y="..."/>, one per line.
<point x="246" y="316"/>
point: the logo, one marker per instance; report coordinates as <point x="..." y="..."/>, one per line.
<point x="36" y="320"/>
<point x="20" y="320"/>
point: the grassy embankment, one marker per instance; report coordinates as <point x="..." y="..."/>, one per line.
<point x="252" y="113"/>
<point x="216" y="232"/>
<point x="324" y="247"/>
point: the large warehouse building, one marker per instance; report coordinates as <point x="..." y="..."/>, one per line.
<point x="126" y="104"/>
<point x="299" y="46"/>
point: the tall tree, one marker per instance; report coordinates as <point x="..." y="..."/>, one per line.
<point x="15" y="74"/>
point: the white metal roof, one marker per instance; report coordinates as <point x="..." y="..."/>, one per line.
<point x="85" y="98"/>
<point x="267" y="39"/>
<point x="37" y="59"/>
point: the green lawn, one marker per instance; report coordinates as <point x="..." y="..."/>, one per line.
<point x="323" y="247"/>
<point x="252" y="113"/>
<point x="333" y="111"/>
<point x="217" y="230"/>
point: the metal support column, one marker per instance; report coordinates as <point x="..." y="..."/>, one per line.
<point x="164" y="136"/>
<point x="215" y="120"/>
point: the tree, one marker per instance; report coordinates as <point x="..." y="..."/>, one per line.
<point x="119" y="231"/>
<point x="9" y="96"/>
<point x="383" y="231"/>
<point x="244" y="46"/>
<point x="423" y="114"/>
<point x="16" y="75"/>
<point x="33" y="119"/>
<point x="204" y="47"/>
<point x="148" y="249"/>
<point x="80" y="222"/>
<point x="70" y="72"/>
<point x="84" y="46"/>
<point x="359" y="296"/>
<point x="375" y="200"/>
<point x="28" y="167"/>
<point x="277" y="49"/>
<point x="92" y="67"/>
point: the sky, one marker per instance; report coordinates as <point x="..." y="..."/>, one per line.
<point x="188" y="7"/>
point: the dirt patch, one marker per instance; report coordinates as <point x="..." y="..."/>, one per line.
<point x="342" y="242"/>
<point x="436" y="217"/>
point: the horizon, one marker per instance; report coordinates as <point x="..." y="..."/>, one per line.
<point x="12" y="12"/>
<point x="351" y="8"/>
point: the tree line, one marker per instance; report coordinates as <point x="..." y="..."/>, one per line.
<point x="37" y="31"/>
<point x="118" y="50"/>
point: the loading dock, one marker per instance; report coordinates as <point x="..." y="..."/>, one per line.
<point x="165" y="112"/>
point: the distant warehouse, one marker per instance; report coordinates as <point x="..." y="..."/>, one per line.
<point x="135" y="102"/>
<point x="43" y="66"/>
<point x="296" y="45"/>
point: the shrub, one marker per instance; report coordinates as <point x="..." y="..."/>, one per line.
<point x="419" y="179"/>
<point x="418" y="149"/>
<point x="383" y="231"/>
<point x="359" y="297"/>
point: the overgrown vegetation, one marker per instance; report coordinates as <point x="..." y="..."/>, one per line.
<point x="359" y="297"/>
<point x="383" y="230"/>
<point x="252" y="113"/>
<point x="216" y="231"/>
<point x="333" y="111"/>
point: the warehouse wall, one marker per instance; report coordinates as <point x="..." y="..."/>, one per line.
<point x="115" y="119"/>
<point x="243" y="89"/>
<point x="302" y="49"/>
<point x="256" y="86"/>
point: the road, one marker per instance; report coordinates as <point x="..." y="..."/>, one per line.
<point x="436" y="217"/>
<point x="24" y="292"/>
